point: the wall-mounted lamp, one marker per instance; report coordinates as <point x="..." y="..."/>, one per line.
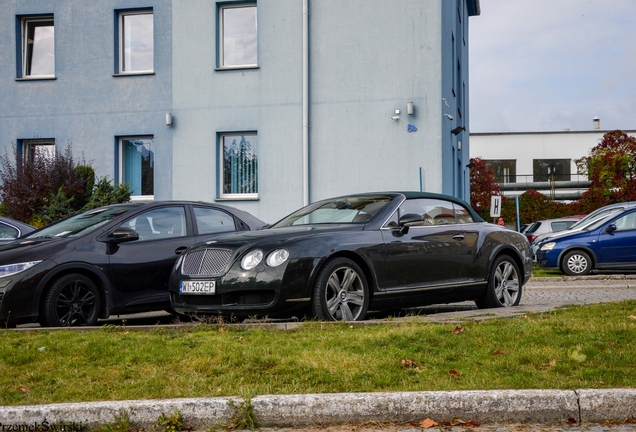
<point x="168" y="119"/>
<point x="409" y="108"/>
<point x="396" y="117"/>
<point x="448" y="116"/>
<point x="458" y="129"/>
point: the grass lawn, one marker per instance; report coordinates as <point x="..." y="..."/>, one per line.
<point x="577" y="347"/>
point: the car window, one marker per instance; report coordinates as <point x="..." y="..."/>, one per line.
<point x="341" y="210"/>
<point x="535" y="226"/>
<point x="627" y="222"/>
<point x="211" y="220"/>
<point x="462" y="214"/>
<point x="592" y="217"/>
<point x="561" y="225"/>
<point x="159" y="223"/>
<point x="434" y="211"/>
<point x="8" y="232"/>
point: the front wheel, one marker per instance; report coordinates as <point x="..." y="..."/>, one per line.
<point x="341" y="292"/>
<point x="577" y="263"/>
<point x="504" y="285"/>
<point x="72" y="300"/>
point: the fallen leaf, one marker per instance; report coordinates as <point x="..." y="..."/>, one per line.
<point x="454" y="372"/>
<point x="408" y="363"/>
<point x="459" y="329"/>
<point x="427" y="423"/>
<point x="613" y="343"/>
<point x="222" y="330"/>
<point x="632" y="317"/>
<point x="471" y="423"/>
<point x="456" y="421"/>
<point x="498" y="351"/>
<point x="572" y="421"/>
<point x="575" y="354"/>
<point x="24" y="389"/>
<point x="552" y="363"/>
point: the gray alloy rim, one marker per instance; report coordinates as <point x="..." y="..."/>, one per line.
<point x="75" y="304"/>
<point x="506" y="284"/>
<point x="577" y="263"/>
<point x="344" y="294"/>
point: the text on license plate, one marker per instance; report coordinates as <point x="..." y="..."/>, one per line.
<point x="197" y="287"/>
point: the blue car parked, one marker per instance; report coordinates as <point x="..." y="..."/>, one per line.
<point x="607" y="244"/>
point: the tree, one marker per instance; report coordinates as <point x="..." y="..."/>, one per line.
<point x="482" y="186"/>
<point x="611" y="167"/>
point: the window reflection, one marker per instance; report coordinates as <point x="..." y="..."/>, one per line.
<point x="39" y="47"/>
<point x="239" y="36"/>
<point x="138" y="160"/>
<point x="137" y="42"/>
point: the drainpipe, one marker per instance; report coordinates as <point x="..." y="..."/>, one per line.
<point x="305" y="102"/>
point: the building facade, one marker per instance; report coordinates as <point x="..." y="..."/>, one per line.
<point x="265" y="105"/>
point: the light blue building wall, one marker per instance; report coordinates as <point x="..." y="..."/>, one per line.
<point x="317" y="129"/>
<point x="367" y="59"/>
<point x="86" y="103"/>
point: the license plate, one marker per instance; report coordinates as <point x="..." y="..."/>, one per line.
<point x="197" y="287"/>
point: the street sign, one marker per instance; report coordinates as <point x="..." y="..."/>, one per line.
<point x="495" y="206"/>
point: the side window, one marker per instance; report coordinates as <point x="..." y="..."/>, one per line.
<point x="434" y="211"/>
<point x="462" y="214"/>
<point x="159" y="223"/>
<point x="30" y="149"/>
<point x="7" y="231"/>
<point x="237" y="36"/>
<point x="627" y="222"/>
<point x="135" y="38"/>
<point x="38" y="47"/>
<point x="211" y="221"/>
<point x="137" y="165"/>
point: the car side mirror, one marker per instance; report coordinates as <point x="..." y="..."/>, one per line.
<point x="406" y="220"/>
<point x="123" y="234"/>
<point x="610" y="228"/>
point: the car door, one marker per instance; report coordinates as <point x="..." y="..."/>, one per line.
<point x="618" y="246"/>
<point x="139" y="270"/>
<point x="430" y="254"/>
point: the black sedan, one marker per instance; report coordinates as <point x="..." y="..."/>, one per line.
<point x="110" y="260"/>
<point x="338" y="258"/>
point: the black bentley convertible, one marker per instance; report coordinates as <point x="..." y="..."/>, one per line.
<point x="336" y="259"/>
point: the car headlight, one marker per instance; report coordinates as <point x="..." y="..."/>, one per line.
<point x="11" y="269"/>
<point x="252" y="259"/>
<point x="548" y="246"/>
<point x="277" y="257"/>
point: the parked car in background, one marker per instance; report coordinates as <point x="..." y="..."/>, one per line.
<point x="336" y="259"/>
<point x="12" y="229"/>
<point x="607" y="244"/>
<point x="593" y="217"/>
<point x="110" y="260"/>
<point x="550" y="225"/>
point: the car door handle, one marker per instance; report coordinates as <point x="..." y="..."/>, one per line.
<point x="180" y="250"/>
<point x="458" y="237"/>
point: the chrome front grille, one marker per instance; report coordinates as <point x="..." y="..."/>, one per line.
<point x="206" y="262"/>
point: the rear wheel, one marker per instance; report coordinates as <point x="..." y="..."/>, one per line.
<point x="341" y="292"/>
<point x="72" y="300"/>
<point x="504" y="285"/>
<point x="577" y="263"/>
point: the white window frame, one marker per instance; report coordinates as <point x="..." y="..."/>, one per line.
<point x="25" y="45"/>
<point x="221" y="38"/>
<point x="122" y="160"/>
<point x="236" y="196"/>
<point x="121" y="46"/>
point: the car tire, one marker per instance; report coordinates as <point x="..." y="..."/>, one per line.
<point x="341" y="292"/>
<point x="504" y="285"/>
<point x="72" y="300"/>
<point x="576" y="263"/>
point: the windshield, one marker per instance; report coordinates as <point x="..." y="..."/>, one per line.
<point x="601" y="219"/>
<point x="82" y="223"/>
<point x="592" y="217"/>
<point x="347" y="210"/>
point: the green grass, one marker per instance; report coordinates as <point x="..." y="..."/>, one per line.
<point x="537" y="351"/>
<point x="539" y="272"/>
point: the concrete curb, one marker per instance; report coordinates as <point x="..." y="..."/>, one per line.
<point x="498" y="406"/>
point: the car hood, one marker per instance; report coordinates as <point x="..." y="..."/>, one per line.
<point x="23" y="250"/>
<point x="277" y="235"/>
<point x="555" y="234"/>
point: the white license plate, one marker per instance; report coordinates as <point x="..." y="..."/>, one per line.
<point x="197" y="287"/>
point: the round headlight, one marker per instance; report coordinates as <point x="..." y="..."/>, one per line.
<point x="277" y="257"/>
<point x="548" y="246"/>
<point x="252" y="259"/>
